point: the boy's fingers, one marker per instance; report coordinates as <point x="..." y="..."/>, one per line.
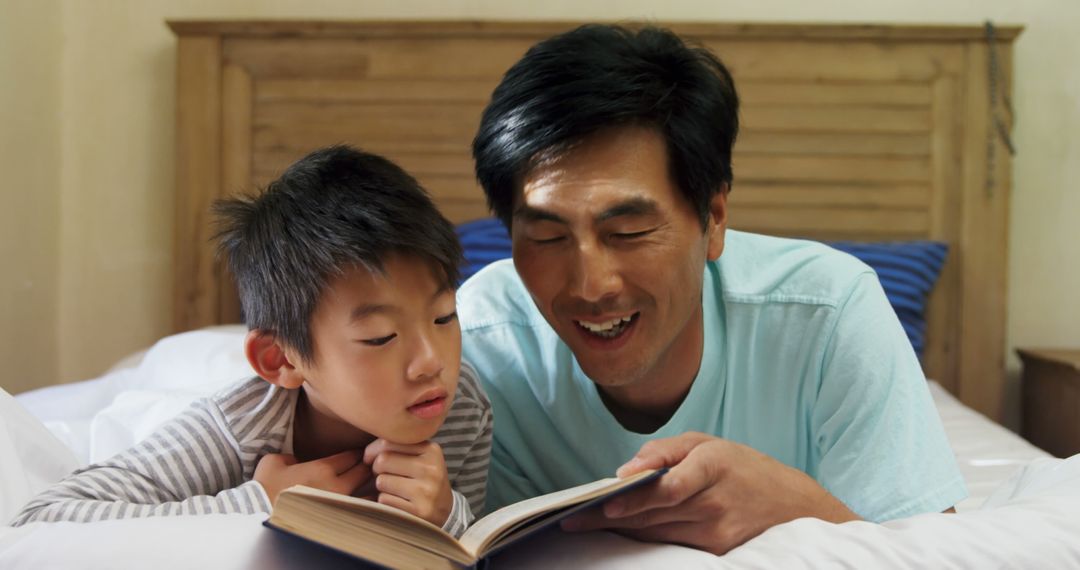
<point x="398" y="503"/>
<point x="396" y="485"/>
<point x="353" y="478"/>
<point x="286" y="459"/>
<point x="340" y="462"/>
<point x="373" y="450"/>
<point x="399" y="464"/>
<point x="407" y="448"/>
<point x="380" y="446"/>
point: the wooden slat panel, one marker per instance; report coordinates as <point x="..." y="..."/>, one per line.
<point x="836" y="119"/>
<point x="283" y="138"/>
<point x="850" y="144"/>
<point x="371" y="123"/>
<point x="808" y="220"/>
<point x="198" y="180"/>
<point x="943" y="334"/>
<point x="768" y="168"/>
<point x="453" y="165"/>
<point x="785" y="92"/>
<point x="302" y="139"/>
<point x="388" y="58"/>
<point x="856" y="61"/>
<point x="984" y="243"/>
<point x="889" y="196"/>
<point x="350" y="90"/>
<point x="375" y="91"/>
<point x="748" y="169"/>
<point x="236" y="105"/>
<point x="897" y="34"/>
<point x="450" y="187"/>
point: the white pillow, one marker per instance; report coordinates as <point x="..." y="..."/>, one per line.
<point x="32" y="458"/>
<point x="197" y="361"/>
<point x="174" y="372"/>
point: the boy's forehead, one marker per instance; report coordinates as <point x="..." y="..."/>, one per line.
<point x="398" y="281"/>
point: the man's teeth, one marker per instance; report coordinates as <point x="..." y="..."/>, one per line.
<point x="606" y="328"/>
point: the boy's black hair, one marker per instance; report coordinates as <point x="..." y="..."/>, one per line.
<point x="332" y="210"/>
<point x="599" y="76"/>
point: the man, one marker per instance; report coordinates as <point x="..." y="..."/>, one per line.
<point x="634" y="331"/>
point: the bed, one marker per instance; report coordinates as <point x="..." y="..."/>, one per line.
<point x="852" y="133"/>
<point x="1021" y="511"/>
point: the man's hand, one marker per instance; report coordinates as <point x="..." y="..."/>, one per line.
<point x="341" y="473"/>
<point x="412" y="478"/>
<point x="716" y="495"/>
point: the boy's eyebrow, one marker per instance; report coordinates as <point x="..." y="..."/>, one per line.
<point x="442" y="289"/>
<point x="368" y="309"/>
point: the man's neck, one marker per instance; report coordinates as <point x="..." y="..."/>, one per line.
<point x="647" y="404"/>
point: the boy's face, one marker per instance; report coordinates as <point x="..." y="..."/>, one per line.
<point x="386" y="351"/>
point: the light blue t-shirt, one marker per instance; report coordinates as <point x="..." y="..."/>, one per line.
<point x="803" y="360"/>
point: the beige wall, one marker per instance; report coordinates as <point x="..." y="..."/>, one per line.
<point x="30" y="50"/>
<point x="117" y="64"/>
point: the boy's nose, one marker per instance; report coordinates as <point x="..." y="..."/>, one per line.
<point x="426" y="362"/>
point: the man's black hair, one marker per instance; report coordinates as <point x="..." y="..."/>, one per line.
<point x="335" y="209"/>
<point x="598" y="76"/>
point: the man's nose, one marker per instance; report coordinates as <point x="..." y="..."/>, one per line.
<point x="596" y="274"/>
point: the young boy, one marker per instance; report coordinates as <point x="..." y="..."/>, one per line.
<point x="346" y="274"/>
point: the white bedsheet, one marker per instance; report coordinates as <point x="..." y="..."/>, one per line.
<point x="1029" y="520"/>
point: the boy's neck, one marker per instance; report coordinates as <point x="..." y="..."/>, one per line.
<point x="316" y="435"/>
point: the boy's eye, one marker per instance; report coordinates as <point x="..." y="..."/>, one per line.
<point x="446" y="319"/>
<point x="378" y="341"/>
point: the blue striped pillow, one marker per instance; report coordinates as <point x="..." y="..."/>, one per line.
<point x="907" y="270"/>
<point x="484" y="241"/>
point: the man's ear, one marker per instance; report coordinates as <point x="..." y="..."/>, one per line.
<point x="717" y="223"/>
<point x="267" y="357"/>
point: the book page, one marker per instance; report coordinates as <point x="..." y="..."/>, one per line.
<point x="489" y="529"/>
<point x="388" y="521"/>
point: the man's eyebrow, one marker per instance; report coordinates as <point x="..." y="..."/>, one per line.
<point x="631" y="207"/>
<point x="528" y="213"/>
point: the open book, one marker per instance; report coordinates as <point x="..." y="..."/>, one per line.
<point x="396" y="539"/>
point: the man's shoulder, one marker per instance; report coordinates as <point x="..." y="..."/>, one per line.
<point x="756" y="268"/>
<point x="495" y="296"/>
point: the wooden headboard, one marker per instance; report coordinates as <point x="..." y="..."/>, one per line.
<point x="849" y="132"/>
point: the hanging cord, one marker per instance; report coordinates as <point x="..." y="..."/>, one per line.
<point x="996" y="89"/>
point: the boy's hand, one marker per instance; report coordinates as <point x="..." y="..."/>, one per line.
<point x="412" y="478"/>
<point x="340" y="473"/>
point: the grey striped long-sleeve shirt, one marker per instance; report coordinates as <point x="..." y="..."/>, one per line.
<point x="203" y="461"/>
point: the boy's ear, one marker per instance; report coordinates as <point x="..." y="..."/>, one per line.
<point x="267" y="357"/>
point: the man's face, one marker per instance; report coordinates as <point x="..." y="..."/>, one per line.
<point x="387" y="351"/>
<point x="613" y="255"/>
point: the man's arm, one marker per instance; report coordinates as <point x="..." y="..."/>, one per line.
<point x="872" y="419"/>
<point x="716" y="495"/>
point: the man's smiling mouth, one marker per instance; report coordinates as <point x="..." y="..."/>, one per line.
<point x="610" y="328"/>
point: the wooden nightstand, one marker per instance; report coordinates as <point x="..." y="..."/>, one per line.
<point x="1051" y="399"/>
